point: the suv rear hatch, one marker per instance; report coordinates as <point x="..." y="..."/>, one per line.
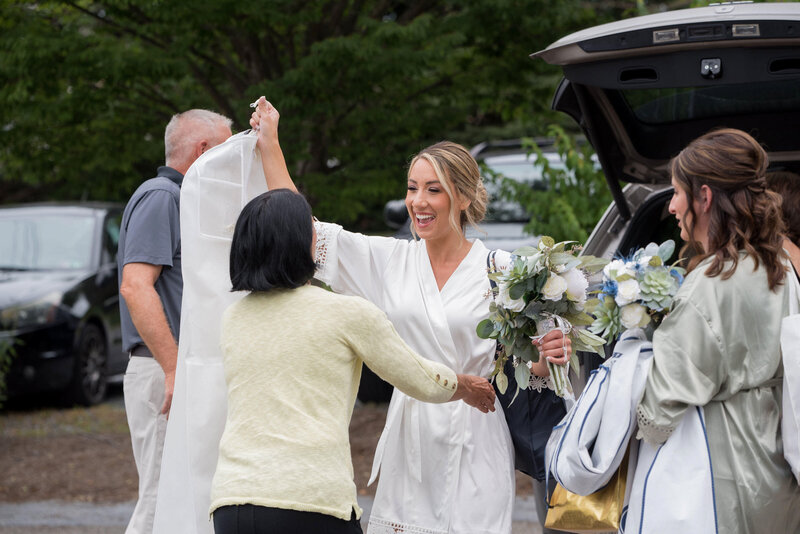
<point x="641" y="89"/>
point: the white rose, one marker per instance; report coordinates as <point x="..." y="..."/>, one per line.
<point x="554" y="287"/>
<point x="616" y="268"/>
<point x="633" y="315"/>
<point x="505" y="300"/>
<point x="576" y="285"/>
<point x="627" y="291"/>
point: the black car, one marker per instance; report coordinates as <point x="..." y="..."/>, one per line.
<point x="59" y="298"/>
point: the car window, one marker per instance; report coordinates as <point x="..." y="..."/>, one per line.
<point x="520" y="167"/>
<point x="111" y="237"/>
<point x="45" y="241"/>
<point x="673" y="104"/>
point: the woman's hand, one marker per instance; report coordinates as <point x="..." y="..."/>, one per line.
<point x="555" y="348"/>
<point x="475" y="391"/>
<point x="265" y="120"/>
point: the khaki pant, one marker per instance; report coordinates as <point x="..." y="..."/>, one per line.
<point x="143" y="388"/>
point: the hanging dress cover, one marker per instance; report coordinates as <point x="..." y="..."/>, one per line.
<point x="669" y="487"/>
<point x="790" y="349"/>
<point x="214" y="191"/>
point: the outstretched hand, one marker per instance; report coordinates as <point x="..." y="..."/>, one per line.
<point x="475" y="391"/>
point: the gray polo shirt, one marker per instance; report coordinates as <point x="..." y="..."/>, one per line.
<point x="151" y="234"/>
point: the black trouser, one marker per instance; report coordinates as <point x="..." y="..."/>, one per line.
<point x="251" y="519"/>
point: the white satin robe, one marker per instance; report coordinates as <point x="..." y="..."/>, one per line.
<point x="444" y="468"/>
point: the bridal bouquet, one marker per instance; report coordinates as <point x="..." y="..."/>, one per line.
<point x="636" y="292"/>
<point x="545" y="288"/>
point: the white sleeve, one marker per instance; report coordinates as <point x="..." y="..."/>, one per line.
<point x="354" y="264"/>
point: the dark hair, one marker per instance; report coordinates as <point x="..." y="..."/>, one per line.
<point x="787" y="185"/>
<point x="271" y="247"/>
<point x="744" y="214"/>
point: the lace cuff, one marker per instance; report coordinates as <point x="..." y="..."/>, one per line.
<point x="538" y="383"/>
<point x="649" y="431"/>
<point x="325" y="250"/>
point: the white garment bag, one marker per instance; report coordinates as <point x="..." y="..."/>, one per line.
<point x="214" y="191"/>
<point x="669" y="488"/>
<point x="586" y="448"/>
<point x="790" y="349"/>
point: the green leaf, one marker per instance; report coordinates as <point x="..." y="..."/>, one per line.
<point x="546" y="241"/>
<point x="485" y="329"/>
<point x="516" y="291"/>
<point x="666" y="249"/>
<point x="502" y="382"/>
<point x="525" y="251"/>
<point x="522" y="374"/>
<point x="561" y="258"/>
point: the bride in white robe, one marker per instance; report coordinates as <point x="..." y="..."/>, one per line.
<point x="443" y="468"/>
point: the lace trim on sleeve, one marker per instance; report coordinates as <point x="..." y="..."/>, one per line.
<point x="539" y="383"/>
<point x="649" y="431"/>
<point x="325" y="250"/>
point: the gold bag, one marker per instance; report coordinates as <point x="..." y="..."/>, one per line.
<point x="598" y="512"/>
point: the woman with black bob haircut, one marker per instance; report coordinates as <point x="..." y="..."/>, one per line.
<point x="272" y="243"/>
<point x="292" y="354"/>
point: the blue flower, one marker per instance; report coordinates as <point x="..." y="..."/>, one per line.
<point x="609" y="288"/>
<point x="678" y="276"/>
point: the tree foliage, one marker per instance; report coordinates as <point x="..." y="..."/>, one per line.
<point x="88" y="86"/>
<point x="573" y="197"/>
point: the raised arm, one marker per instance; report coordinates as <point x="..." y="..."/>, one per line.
<point x="264" y="120"/>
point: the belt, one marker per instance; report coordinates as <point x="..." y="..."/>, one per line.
<point x="141" y="350"/>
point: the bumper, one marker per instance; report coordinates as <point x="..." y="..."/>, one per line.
<point x="43" y="359"/>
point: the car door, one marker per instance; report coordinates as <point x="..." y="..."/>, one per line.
<point x="109" y="287"/>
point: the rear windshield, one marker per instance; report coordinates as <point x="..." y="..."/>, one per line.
<point x="667" y="105"/>
<point x="44" y="241"/>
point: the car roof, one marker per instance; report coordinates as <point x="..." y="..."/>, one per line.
<point x="640" y="102"/>
<point x="65" y="206"/>
<point x="694" y="27"/>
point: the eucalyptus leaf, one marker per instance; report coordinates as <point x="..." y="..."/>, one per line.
<point x="666" y="249"/>
<point x="651" y="249"/>
<point x="580" y="319"/>
<point x="516" y="291"/>
<point x="522" y="374"/>
<point x="592" y="264"/>
<point x="485" y="329"/>
<point x="546" y="241"/>
<point x="502" y="382"/>
<point x="561" y="258"/>
<point x="525" y="251"/>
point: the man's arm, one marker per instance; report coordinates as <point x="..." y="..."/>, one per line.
<point x="147" y="313"/>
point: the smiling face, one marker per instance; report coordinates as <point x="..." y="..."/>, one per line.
<point x="428" y="203"/>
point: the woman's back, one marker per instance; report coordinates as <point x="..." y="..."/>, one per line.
<point x="292" y="363"/>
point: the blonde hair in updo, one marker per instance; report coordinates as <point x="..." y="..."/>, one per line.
<point x="458" y="172"/>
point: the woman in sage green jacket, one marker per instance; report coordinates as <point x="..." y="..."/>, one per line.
<point x="719" y="348"/>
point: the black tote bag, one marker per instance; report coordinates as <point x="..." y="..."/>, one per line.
<point x="530" y="416"/>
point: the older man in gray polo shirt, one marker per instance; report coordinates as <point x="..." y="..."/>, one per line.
<point x="151" y="286"/>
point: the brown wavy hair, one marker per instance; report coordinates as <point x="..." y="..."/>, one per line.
<point x="787" y="185"/>
<point x="458" y="172"/>
<point x="744" y="216"/>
